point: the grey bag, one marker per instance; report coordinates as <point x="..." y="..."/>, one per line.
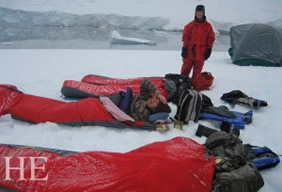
<point x="235" y="171"/>
<point x="243" y="179"/>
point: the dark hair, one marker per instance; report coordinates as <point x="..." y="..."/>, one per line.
<point x="200" y="8"/>
<point x="162" y="108"/>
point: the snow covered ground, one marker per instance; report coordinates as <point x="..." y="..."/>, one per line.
<point x="42" y="72"/>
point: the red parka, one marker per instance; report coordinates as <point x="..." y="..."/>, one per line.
<point x="197" y="37"/>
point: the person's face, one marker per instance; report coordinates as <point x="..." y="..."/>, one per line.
<point x="152" y="103"/>
<point x="199" y="14"/>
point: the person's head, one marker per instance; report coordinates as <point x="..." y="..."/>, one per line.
<point x="156" y="106"/>
<point x="153" y="103"/>
<point x="200" y="13"/>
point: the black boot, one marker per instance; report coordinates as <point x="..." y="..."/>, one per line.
<point x="225" y="126"/>
<point x="204" y="131"/>
<point x="229" y="128"/>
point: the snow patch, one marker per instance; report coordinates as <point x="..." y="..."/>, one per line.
<point x="116" y="38"/>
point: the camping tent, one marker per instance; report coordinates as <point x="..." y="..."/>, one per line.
<point x="255" y="44"/>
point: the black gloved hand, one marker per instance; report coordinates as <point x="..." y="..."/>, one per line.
<point x="207" y="53"/>
<point x="184" y="52"/>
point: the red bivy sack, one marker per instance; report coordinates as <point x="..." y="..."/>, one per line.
<point x="35" y="109"/>
<point x="179" y="164"/>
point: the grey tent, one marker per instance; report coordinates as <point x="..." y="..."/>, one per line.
<point x="255" y="44"/>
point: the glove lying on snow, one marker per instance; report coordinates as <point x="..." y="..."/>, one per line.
<point x="238" y="97"/>
<point x="251" y="102"/>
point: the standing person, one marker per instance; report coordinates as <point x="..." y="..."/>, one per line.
<point x="198" y="38"/>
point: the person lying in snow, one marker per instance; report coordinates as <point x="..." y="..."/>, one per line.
<point x="149" y="101"/>
<point x="90" y="111"/>
<point x="150" y="105"/>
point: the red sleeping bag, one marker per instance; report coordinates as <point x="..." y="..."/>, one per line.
<point x="176" y="165"/>
<point x="103" y="80"/>
<point x="95" y="85"/>
<point x="37" y="109"/>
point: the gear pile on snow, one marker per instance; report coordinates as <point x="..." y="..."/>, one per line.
<point x="235" y="171"/>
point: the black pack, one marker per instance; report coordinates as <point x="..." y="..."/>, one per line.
<point x="181" y="82"/>
<point x="235" y="171"/>
<point x="246" y="178"/>
<point x="189" y="106"/>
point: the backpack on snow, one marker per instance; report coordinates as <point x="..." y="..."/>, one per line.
<point x="180" y="82"/>
<point x="203" y="82"/>
<point x="235" y="171"/>
<point x="189" y="106"/>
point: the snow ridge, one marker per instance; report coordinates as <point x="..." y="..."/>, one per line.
<point x="19" y="18"/>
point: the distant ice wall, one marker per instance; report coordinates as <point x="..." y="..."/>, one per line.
<point x="19" y="18"/>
